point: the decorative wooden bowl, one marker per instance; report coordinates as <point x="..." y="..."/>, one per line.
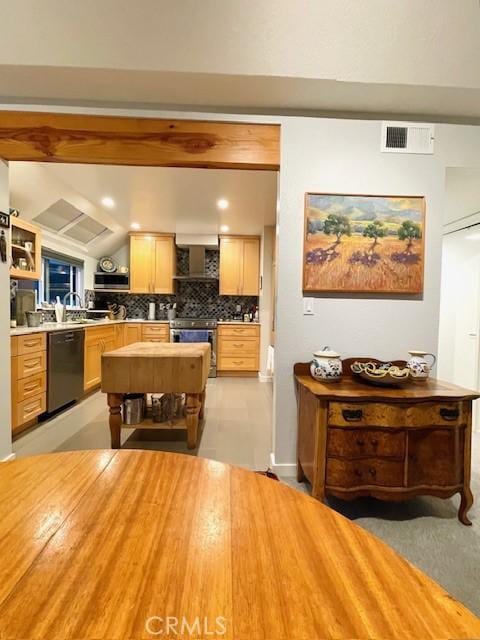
<point x="381" y="374"/>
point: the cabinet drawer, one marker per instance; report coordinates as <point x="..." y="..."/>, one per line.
<point x="157" y="339"/>
<point x="228" y="363"/>
<point x="29" y="364"/>
<point x="370" y="471"/>
<point x="235" y="330"/>
<point x="356" y="443"/>
<point x="31" y="386"/>
<point x="342" y="414"/>
<point x="30" y="408"/>
<point x="96" y="334"/>
<point x="155" y="330"/>
<point x="238" y="347"/>
<point x="31" y="343"/>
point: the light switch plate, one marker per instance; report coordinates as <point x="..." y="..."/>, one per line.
<point x="308" y="309"/>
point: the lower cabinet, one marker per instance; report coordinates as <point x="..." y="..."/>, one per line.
<point x="132" y="333"/>
<point x="28" y="379"/>
<point x="156" y="332"/>
<point x="97" y="341"/>
<point x="238" y="350"/>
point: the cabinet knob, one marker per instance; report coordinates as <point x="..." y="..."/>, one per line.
<point x="374" y="442"/>
<point x="372" y="472"/>
<point x="360" y="442"/>
<point x="358" y="473"/>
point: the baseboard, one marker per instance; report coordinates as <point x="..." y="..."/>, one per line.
<point x="283" y="470"/>
<point x="11" y="456"/>
<point x="263" y="378"/>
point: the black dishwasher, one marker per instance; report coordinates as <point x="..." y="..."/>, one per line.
<point x="65" y="368"/>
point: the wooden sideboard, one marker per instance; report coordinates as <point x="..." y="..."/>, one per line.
<point x="355" y="439"/>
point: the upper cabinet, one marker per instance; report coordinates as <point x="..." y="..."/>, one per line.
<point x="26" y="250"/>
<point x="239" y="265"/>
<point x="152" y="263"/>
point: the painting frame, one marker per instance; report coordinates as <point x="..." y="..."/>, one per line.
<point x="415" y="289"/>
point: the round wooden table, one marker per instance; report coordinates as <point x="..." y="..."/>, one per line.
<point x="139" y="544"/>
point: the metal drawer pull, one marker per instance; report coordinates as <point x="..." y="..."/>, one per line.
<point x="449" y="414"/>
<point x="351" y="415"/>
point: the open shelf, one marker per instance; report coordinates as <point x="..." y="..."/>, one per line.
<point x="148" y="423"/>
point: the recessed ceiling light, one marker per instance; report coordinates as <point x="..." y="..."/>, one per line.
<point x="135" y="226"/>
<point x="108" y="202"/>
<point x="222" y="203"/>
<point x="224" y="228"/>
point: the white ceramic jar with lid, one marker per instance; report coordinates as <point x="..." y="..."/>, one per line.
<point x="326" y="365"/>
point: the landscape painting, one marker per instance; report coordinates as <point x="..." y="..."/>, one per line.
<point x="367" y="244"/>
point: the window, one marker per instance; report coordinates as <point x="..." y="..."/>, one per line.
<point x="60" y="275"/>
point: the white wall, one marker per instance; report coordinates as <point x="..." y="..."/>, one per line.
<point x="265" y="299"/>
<point x="344" y="157"/>
<point x="5" y="429"/>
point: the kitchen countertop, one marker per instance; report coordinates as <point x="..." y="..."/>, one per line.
<point x="62" y="326"/>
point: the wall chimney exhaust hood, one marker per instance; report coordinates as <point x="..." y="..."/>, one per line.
<point x="196" y="245"/>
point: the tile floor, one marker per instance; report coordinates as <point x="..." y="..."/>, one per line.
<point x="238" y="427"/>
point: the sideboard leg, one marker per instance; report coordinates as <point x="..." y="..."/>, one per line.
<point x="300" y="474"/>
<point x="114" y="401"/>
<point x="193" y="410"/>
<point x="465" y="505"/>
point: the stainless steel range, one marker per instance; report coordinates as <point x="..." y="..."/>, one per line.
<point x="196" y="330"/>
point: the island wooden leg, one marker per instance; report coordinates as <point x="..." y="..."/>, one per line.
<point x="465" y="505"/>
<point x="203" y="396"/>
<point x="193" y="410"/>
<point x="114" y="401"/>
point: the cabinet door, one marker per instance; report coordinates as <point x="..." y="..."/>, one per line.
<point x="435" y="457"/>
<point x="92" y="364"/>
<point x="164" y="262"/>
<point x="141" y="264"/>
<point x="133" y="333"/>
<point x="251" y="267"/>
<point x="231" y="266"/>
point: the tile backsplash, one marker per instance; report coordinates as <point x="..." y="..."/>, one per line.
<point x="194" y="299"/>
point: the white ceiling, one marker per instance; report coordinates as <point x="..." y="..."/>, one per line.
<point x="159" y="199"/>
<point x="381" y="56"/>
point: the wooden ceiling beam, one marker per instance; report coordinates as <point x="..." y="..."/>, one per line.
<point x="90" y="139"/>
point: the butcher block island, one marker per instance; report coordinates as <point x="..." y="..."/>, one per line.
<point x="355" y="439"/>
<point x="150" y="367"/>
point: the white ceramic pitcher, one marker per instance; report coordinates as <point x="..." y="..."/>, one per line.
<point x="419" y="366"/>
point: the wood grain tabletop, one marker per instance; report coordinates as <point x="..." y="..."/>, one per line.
<point x="140" y="544"/>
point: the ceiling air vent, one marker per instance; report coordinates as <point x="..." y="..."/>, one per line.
<point x="411" y="137"/>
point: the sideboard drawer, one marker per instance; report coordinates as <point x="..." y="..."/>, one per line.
<point x="370" y="471"/>
<point x="377" y="414"/>
<point x="355" y="443"/>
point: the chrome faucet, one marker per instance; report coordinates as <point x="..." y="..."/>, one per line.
<point x="74" y="294"/>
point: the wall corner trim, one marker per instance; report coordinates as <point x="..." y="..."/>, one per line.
<point x="283" y="470"/>
<point x="11" y="456"/>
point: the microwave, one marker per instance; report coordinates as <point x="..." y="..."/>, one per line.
<point x="102" y="280"/>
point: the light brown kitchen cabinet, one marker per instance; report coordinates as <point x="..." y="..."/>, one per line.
<point x="152" y="263"/>
<point x="156" y="332"/>
<point x="133" y="333"/>
<point x="239" y="265"/>
<point x="28" y="379"/>
<point x="98" y="340"/>
<point x="238" y="349"/>
<point x="26" y="250"/>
